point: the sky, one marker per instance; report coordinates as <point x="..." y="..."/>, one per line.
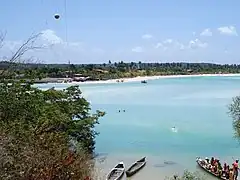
<point x="90" y="31"/>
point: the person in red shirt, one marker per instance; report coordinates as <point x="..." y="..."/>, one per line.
<point x="215" y="160"/>
<point x="235" y="170"/>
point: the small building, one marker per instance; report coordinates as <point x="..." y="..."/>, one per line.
<point x="80" y="77"/>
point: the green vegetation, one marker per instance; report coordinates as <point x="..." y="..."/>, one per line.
<point x="39" y="137"/>
<point x="188" y="176"/>
<point x="44" y="134"/>
<point x="234" y="110"/>
<point x="118" y="70"/>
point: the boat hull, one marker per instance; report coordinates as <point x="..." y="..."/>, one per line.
<point x="117" y="172"/>
<point x="131" y="173"/>
<point x="198" y="160"/>
<point x="120" y="175"/>
<point x="137" y="166"/>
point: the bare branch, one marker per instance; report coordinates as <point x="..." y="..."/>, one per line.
<point x="2" y="37"/>
<point x="27" y="46"/>
<point x="39" y="61"/>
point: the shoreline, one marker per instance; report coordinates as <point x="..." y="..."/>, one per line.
<point x="156" y="168"/>
<point x="146" y="78"/>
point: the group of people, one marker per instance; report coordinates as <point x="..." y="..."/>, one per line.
<point x="216" y="167"/>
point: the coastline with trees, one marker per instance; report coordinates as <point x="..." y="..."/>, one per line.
<point x="50" y="134"/>
<point x="55" y="73"/>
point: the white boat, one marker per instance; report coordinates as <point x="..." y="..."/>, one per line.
<point x="117" y="172"/>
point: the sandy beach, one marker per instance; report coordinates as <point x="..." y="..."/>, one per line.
<point x="141" y="78"/>
<point x="157" y="167"/>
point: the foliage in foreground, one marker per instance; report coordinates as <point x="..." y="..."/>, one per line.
<point x="234" y="110"/>
<point x="188" y="176"/>
<point x="45" y="134"/>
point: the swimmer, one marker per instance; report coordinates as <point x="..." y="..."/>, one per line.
<point x="124" y="110"/>
<point x="174" y="129"/>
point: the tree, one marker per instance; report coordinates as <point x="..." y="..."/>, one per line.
<point x="38" y="130"/>
<point x="234" y="110"/>
<point x="44" y="134"/>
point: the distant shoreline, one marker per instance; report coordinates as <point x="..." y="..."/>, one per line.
<point x="146" y="78"/>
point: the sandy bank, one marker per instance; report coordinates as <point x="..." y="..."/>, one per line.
<point x="141" y="78"/>
<point x="155" y="168"/>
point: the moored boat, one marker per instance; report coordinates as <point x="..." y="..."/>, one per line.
<point x="117" y="172"/>
<point x="200" y="162"/>
<point x="144" y="81"/>
<point x="135" y="167"/>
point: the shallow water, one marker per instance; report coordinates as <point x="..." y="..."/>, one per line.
<point x="196" y="106"/>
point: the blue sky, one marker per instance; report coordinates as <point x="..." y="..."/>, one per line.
<point x="128" y="30"/>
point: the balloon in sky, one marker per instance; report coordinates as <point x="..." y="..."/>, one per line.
<point x="56" y="16"/>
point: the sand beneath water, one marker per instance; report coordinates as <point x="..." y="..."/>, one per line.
<point x="156" y="168"/>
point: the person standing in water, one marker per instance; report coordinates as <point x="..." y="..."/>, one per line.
<point x="235" y="169"/>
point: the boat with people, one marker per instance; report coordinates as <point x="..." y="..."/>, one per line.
<point x="203" y="165"/>
<point x="215" y="168"/>
<point x="117" y="172"/>
<point x="135" y="167"/>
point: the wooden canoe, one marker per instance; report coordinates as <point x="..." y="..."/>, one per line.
<point x="117" y="172"/>
<point x="199" y="160"/>
<point x="135" y="167"/>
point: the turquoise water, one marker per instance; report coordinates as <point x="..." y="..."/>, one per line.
<point x="196" y="106"/>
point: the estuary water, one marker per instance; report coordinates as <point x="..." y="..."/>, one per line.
<point x="195" y="106"/>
